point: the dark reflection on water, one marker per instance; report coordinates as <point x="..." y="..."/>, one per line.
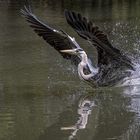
<point x="41" y="96"/>
<point x="29" y="113"/>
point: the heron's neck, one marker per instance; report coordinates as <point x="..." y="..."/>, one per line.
<point x="82" y="65"/>
<point x="84" y="59"/>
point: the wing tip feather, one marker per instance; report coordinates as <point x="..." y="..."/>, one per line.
<point x="26" y="11"/>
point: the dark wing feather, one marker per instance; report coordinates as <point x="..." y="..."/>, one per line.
<point x="90" y="32"/>
<point x="58" y="39"/>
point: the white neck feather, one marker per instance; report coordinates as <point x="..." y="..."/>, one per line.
<point x="84" y="62"/>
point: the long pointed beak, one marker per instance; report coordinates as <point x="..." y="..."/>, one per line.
<point x="70" y="51"/>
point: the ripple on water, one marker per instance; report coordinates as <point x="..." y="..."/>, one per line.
<point x="7" y="122"/>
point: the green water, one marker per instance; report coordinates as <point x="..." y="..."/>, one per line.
<point x="41" y="96"/>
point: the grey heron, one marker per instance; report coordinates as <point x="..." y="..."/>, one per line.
<point x="113" y="66"/>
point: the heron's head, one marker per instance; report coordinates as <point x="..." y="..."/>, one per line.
<point x="77" y="51"/>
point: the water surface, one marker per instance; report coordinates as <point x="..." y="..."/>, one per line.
<point x="41" y="96"/>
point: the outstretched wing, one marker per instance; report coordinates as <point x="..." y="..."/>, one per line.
<point x="90" y="32"/>
<point x="57" y="39"/>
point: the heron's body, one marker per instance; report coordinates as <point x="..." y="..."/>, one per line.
<point x="113" y="66"/>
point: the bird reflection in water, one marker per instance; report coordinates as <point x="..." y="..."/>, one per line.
<point x="84" y="110"/>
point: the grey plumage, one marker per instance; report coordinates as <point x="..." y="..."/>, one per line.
<point x="113" y="65"/>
